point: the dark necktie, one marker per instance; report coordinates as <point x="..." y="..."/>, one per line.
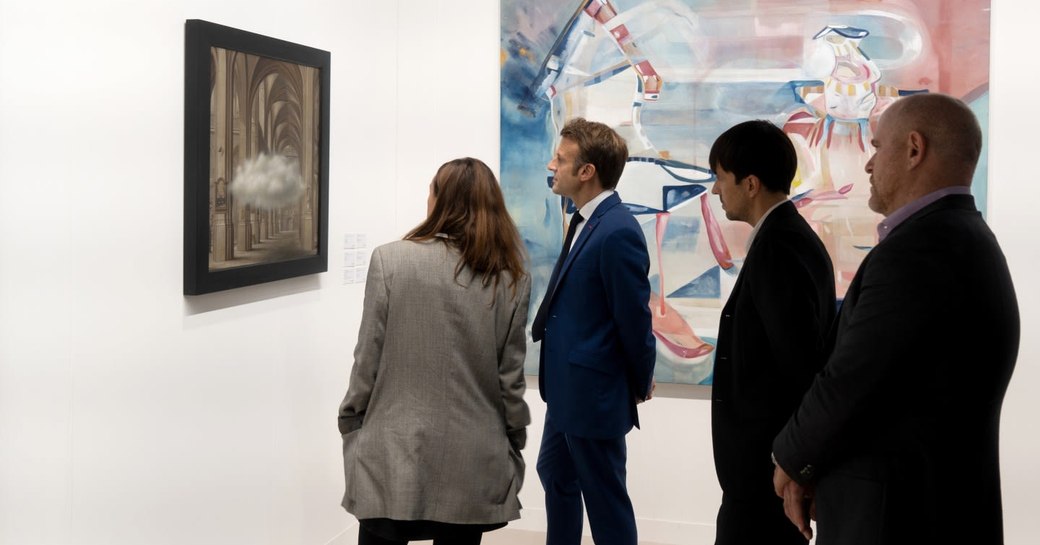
<point x="538" y="327"/>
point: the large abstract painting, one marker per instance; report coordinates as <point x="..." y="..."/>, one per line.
<point x="671" y="75"/>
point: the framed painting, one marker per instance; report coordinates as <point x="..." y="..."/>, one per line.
<point x="671" y="75"/>
<point x="256" y="158"/>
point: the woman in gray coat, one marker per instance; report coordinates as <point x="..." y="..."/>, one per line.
<point x="434" y="417"/>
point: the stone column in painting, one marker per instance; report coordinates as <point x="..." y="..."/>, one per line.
<point x="308" y="169"/>
<point x="222" y="245"/>
<point x="254" y="112"/>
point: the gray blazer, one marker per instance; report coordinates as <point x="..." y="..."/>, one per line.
<point x="434" y="417"/>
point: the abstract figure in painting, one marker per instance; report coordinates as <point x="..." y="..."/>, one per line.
<point x="832" y="129"/>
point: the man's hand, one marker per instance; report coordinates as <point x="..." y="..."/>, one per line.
<point x="798" y="501"/>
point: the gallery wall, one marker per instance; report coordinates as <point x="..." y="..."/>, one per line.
<point x="131" y="414"/>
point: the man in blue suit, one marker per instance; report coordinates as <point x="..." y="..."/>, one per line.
<point x="597" y="347"/>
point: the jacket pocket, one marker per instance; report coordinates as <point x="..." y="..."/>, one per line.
<point x="350" y="463"/>
<point x="601" y="362"/>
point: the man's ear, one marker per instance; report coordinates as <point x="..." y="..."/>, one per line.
<point x="916" y="146"/>
<point x="754" y="185"/>
<point x="586" y="172"/>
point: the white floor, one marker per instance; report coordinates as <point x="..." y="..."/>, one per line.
<point x="509" y="536"/>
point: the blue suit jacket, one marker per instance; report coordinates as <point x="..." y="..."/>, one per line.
<point x="598" y="352"/>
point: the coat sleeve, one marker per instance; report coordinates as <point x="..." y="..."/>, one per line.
<point x="624" y="266"/>
<point x="511" y="369"/>
<point x="369" y="349"/>
<point x="876" y="339"/>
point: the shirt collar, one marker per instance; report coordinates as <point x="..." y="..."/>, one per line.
<point x="747" y="246"/>
<point x="899" y="216"/>
<point x="590" y="207"/>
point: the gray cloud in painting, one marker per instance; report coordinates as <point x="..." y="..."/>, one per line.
<point x="268" y="181"/>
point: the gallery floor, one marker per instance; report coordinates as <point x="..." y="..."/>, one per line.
<point x="509" y="536"/>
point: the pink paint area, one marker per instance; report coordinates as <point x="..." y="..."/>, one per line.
<point x="662" y="224"/>
<point x="828" y="195"/>
<point x="715" y="239"/>
<point x="674" y="333"/>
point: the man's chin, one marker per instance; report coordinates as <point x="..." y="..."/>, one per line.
<point x="873" y="205"/>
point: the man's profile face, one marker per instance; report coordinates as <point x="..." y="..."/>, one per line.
<point x="733" y="196"/>
<point x="885" y="165"/>
<point x="565" y="168"/>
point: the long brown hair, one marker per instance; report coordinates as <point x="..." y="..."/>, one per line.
<point x="470" y="214"/>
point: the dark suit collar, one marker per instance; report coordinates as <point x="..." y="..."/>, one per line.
<point x="901" y="214"/>
<point x="949" y="202"/>
<point x="779" y="216"/>
<point x="611" y="201"/>
<point x="785" y="210"/>
<point x="590" y="225"/>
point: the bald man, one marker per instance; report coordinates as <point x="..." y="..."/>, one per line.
<point x="896" y="440"/>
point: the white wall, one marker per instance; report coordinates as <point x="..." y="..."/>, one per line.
<point x="130" y="414"/>
<point x="1013" y="214"/>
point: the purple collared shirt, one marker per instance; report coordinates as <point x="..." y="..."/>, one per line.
<point x="899" y="216"/>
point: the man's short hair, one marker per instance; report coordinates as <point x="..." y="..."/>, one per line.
<point x="946" y="122"/>
<point x="756" y="148"/>
<point x="600" y="146"/>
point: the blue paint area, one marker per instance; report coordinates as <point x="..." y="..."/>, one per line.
<point x="705" y="286"/>
<point x="681" y="234"/>
<point x="674" y="195"/>
<point x="979" y="182"/>
<point x="710" y="379"/>
<point x="638" y="209"/>
<point x="655" y="282"/>
<point x="666" y="371"/>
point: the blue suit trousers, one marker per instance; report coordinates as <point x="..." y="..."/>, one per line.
<point x="572" y="468"/>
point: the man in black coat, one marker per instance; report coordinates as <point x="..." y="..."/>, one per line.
<point x="897" y="438"/>
<point x="773" y="331"/>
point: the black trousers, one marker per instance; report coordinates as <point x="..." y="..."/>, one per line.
<point x="755" y="520"/>
<point x="400" y="532"/>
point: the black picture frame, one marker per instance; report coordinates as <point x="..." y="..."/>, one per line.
<point x="256" y="118"/>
